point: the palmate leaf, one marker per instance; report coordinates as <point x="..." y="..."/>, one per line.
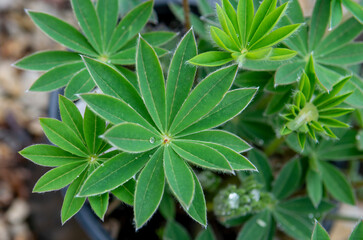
<point x="130" y="25"/>
<point x="355" y="9"/>
<point x="149" y="189"/>
<point x="71" y="116"/>
<point x="288" y="179"/>
<point x="46" y="60"/>
<point x="151" y="82"/>
<point x="49" y="156"/>
<point x="245" y="12"/>
<point x="89" y="22"/>
<point x="57" y="77"/>
<point x="114" y="110"/>
<point x="220" y="137"/>
<point x="99" y="204"/>
<point x="180" y="76"/>
<point x="319" y="232"/>
<point x="175" y="231"/>
<point x="179" y="177"/>
<point x="319" y="22"/>
<point x="314" y="186"/>
<point x="127" y="56"/>
<point x="59" y="177"/>
<point x="357" y="231"/>
<point x="259" y="227"/>
<point x="80" y="83"/>
<point x="211" y="59"/>
<point x="111" y="82"/>
<point x="163" y="132"/>
<point x="72" y="204"/>
<point x="203" y="98"/>
<point x="132" y="137"/>
<point x="93" y="128"/>
<point x="126" y="191"/>
<point x="66" y="139"/>
<point x="336" y="183"/>
<point x="124" y="166"/>
<point x="62" y="33"/>
<point x="107" y="11"/>
<point x="202" y="155"/>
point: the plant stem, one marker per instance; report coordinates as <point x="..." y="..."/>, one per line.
<point x="186" y="14"/>
<point x="342" y="217"/>
<point x="271" y="148"/>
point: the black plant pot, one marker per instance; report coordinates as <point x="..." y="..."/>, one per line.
<point x="90" y="223"/>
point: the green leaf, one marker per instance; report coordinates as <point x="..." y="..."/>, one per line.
<point x="63" y="136"/>
<point x="336" y="13"/>
<point x="296" y="226"/>
<point x="319" y="232"/>
<point x="125" y="192"/>
<point x="227" y="25"/>
<point x="155" y="39"/>
<point x="71" y="203"/>
<point x="81" y="82"/>
<point x="49" y="156"/>
<point x="220" y="137"/>
<point x="149" y="189"/>
<point x="335" y="112"/>
<point x="115" y="110"/>
<point x="167" y="207"/>
<point x="268" y="24"/>
<point x="181" y="75"/>
<point x="99" y="204"/>
<point x="259" y="54"/>
<point x="201" y="155"/>
<point x="330" y="122"/>
<point x="259" y="227"/>
<point x="198" y="208"/>
<point x="346" y="55"/>
<point x="319" y="22"/>
<point x="127" y="56"/>
<point x="71" y="115"/>
<point x="279" y="54"/>
<point x="344" y="33"/>
<point x="130" y="25"/>
<point x="237" y="161"/>
<point x="93" y="127"/>
<point x="175" y="231"/>
<point x="357" y="231"/>
<point x="113" y="173"/>
<point x="151" y="82"/>
<point x="111" y="82"/>
<point x="260" y="160"/>
<point x="278" y="102"/>
<point x="130" y="75"/>
<point x="355" y="9"/>
<point x="304" y="207"/>
<point x="89" y="22"/>
<point x="275" y="37"/>
<point x="57" y="77"/>
<point x="132" y="137"/>
<point x="107" y="11"/>
<point x="46" y="60"/>
<point x="289" y="73"/>
<point x="245" y="13"/>
<point x="179" y="176"/>
<point x="263" y="11"/>
<point x="314" y="186"/>
<point x="288" y="179"/>
<point x="59" y="177"/>
<point x="62" y="33"/>
<point x="223" y="40"/>
<point x="336" y="183"/>
<point x="208" y="93"/>
<point x="211" y="59"/>
<point x="231" y="14"/>
<point x="206" y="234"/>
<point x="233" y="103"/>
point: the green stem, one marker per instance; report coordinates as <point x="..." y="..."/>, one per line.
<point x="274" y="145"/>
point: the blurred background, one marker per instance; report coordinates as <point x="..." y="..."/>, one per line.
<point x="24" y="215"/>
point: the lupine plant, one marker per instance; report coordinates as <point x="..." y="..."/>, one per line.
<point x="102" y="38"/>
<point x="244" y="128"/>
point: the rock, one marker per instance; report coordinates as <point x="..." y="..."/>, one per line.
<point x="6" y="196"/>
<point x="18" y="211"/>
<point x="4" y="234"/>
